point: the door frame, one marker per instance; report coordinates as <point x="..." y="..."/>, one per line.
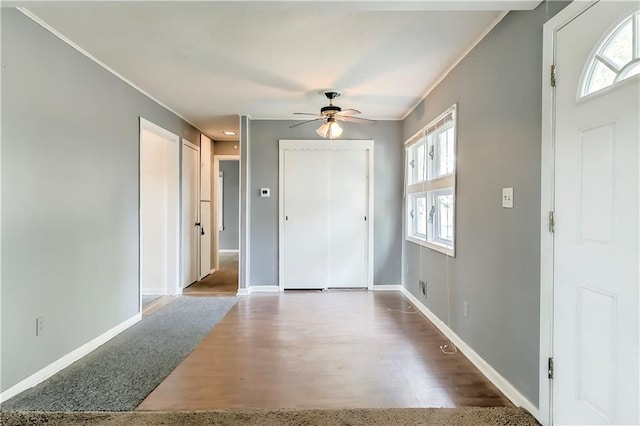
<point x="174" y="230"/>
<point x="550" y="29"/>
<point x="183" y="236"/>
<point x="216" y="203"/>
<point x="324" y="145"/>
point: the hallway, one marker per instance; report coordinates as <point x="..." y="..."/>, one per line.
<point x="333" y="349"/>
<point x="221" y="283"/>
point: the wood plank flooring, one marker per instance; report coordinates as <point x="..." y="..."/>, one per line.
<point x="336" y="349"/>
<point x="221" y="283"/>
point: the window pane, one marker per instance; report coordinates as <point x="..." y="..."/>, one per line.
<point x="445" y="217"/>
<point x="420" y="169"/>
<point x="620" y="49"/>
<point x="445" y="152"/>
<point x="421" y="216"/>
<point x="602" y="77"/>
<point x="633" y="70"/>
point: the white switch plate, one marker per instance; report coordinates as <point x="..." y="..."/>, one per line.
<point x="507" y="198"/>
<point x="265" y="192"/>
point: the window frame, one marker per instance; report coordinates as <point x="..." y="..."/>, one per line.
<point x="432" y="186"/>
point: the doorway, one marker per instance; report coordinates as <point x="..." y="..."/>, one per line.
<point x="590" y="199"/>
<point x="225" y="226"/>
<point x="159" y="211"/>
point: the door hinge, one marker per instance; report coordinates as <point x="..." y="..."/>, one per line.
<point x="550" y="370"/>
<point x="552" y="222"/>
<point x="553" y="76"/>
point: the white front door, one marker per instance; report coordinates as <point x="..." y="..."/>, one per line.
<point x="596" y="254"/>
<point x="190" y="209"/>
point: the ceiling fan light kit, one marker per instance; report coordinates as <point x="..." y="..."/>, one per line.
<point x="330" y="115"/>
<point x="330" y="129"/>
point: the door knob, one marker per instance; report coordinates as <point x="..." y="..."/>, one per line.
<point x="197" y="224"/>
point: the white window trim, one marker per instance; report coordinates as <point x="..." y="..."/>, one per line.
<point x="429" y="186"/>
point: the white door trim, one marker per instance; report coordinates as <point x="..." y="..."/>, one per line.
<point x="335" y="144"/>
<point x="216" y="200"/>
<point x="550" y="29"/>
<point x="173" y="285"/>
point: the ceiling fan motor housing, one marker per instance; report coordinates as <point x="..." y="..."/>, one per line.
<point x="330" y="110"/>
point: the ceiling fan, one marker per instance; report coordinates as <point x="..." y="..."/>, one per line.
<point x="330" y="115"/>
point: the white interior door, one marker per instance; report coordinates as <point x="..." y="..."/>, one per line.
<point x="206" y="231"/>
<point x="306" y="226"/>
<point x="348" y="211"/>
<point x="596" y="253"/>
<point x="159" y="207"/>
<point x="190" y="210"/>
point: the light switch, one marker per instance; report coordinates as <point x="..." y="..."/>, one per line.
<point x="265" y="192"/>
<point x="507" y="198"/>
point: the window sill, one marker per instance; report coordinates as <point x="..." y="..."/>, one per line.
<point x="436" y="247"/>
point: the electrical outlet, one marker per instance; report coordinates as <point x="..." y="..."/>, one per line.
<point x="465" y="308"/>
<point x="39" y="325"/>
<point x="507" y="198"/>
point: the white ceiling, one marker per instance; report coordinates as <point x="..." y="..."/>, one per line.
<point x="209" y="61"/>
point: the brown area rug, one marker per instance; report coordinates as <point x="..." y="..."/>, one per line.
<point x="344" y="417"/>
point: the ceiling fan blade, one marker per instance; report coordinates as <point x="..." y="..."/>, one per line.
<point x="355" y="119"/>
<point x="306" y="113"/>
<point x="349" y="111"/>
<point x="305" y="122"/>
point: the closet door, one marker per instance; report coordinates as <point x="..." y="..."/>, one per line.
<point x="348" y="226"/>
<point x="306" y="212"/>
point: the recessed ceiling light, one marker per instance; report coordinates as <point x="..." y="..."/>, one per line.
<point x="229" y="133"/>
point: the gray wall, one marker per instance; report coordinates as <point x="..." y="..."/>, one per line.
<point x="69" y="196"/>
<point x="497" y="264"/>
<point x="388" y="191"/>
<point x="228" y="237"/>
<point x="226" y="148"/>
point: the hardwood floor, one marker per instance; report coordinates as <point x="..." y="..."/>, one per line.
<point x="336" y="349"/>
<point x="221" y="283"/>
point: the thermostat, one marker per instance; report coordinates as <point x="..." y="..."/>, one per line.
<point x="265" y="192"/>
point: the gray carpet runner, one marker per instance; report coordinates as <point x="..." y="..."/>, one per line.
<point x="118" y="375"/>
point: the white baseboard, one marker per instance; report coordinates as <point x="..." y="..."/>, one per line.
<point x="500" y="382"/>
<point x="387" y="287"/>
<point x="229" y="251"/>
<point x="212" y="271"/>
<point x="67" y="359"/>
<point x="258" y="289"/>
<point x="158" y="292"/>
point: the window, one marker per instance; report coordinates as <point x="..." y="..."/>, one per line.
<point x="615" y="59"/>
<point x="430" y="184"/>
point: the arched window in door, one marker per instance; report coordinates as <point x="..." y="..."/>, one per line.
<point x="615" y="59"/>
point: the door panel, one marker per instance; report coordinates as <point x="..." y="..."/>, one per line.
<point x="190" y="207"/>
<point x="596" y="252"/>
<point x="205" y="238"/>
<point x="306" y="219"/>
<point x="348" y="227"/>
